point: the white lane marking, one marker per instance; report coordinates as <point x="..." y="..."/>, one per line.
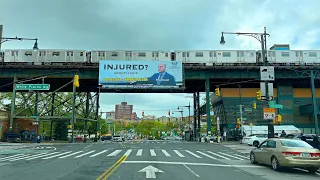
<point x="191" y="170"/>
<point x="70" y="154"/>
<point x="41" y="156"/>
<point x="85" y="154"/>
<point x="11" y="156"/>
<point x="187" y="163"/>
<point x="165" y="153"/>
<point x="23" y="156"/>
<point x="193" y="154"/>
<point x="206" y="155"/>
<point x="178" y="153"/>
<point x="114" y="153"/>
<point x="139" y="153"/>
<point x="241" y="156"/>
<point x="57" y="155"/>
<point x="218" y="155"/>
<point x="94" y="155"/>
<point x="20" y="158"/>
<point x="152" y="152"/>
<point x="230" y="156"/>
<point x="128" y="152"/>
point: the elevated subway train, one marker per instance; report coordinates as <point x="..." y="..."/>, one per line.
<point x="191" y="58"/>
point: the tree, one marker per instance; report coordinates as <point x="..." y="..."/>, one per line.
<point x="61" y="131"/>
<point x="25" y="106"/>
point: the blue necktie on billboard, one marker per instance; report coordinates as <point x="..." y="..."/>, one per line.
<point x="159" y="78"/>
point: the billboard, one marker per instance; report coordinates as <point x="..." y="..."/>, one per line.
<point x="140" y="74"/>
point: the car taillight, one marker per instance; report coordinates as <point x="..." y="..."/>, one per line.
<point x="315" y="154"/>
<point x="291" y="153"/>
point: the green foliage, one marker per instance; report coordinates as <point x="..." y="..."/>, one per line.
<point x="25" y="106"/>
<point x="61" y="131"/>
<point x="151" y="127"/>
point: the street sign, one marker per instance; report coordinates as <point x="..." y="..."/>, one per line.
<point x="248" y="109"/>
<point x="269" y="113"/>
<point x="40" y="87"/>
<point x="150" y="172"/>
<point x="263" y="90"/>
<point x="269" y="110"/>
<point x="269" y="116"/>
<point x="267" y="73"/>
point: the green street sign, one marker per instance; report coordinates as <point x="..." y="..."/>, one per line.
<point x="32" y="86"/>
<point x="277" y="106"/>
<point x="109" y="122"/>
<point x="248" y="109"/>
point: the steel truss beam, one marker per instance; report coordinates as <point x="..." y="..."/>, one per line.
<point x="53" y="106"/>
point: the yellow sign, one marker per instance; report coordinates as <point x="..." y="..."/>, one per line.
<point x="268" y="110"/>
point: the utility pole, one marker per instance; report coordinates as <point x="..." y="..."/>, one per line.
<point x="240" y="106"/>
<point x="262" y="38"/>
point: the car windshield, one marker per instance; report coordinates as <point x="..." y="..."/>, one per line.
<point x="294" y="143"/>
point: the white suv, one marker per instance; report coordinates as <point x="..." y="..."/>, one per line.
<point x="257" y="139"/>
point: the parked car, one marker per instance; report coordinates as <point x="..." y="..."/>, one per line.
<point x="281" y="152"/>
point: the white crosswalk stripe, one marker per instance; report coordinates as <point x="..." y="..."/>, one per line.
<point x="50" y="157"/>
<point x="166" y="153"/>
<point x="85" y="154"/>
<point x="141" y="153"/>
<point x="193" y="154"/>
<point x="114" y="153"/>
<point x="99" y="153"/>
<point x="178" y="153"/>
<point x="152" y="152"/>
<point x="70" y="154"/>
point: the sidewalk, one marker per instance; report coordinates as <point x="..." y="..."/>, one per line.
<point x="235" y="145"/>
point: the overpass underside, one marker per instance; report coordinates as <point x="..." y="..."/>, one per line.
<point x="197" y="79"/>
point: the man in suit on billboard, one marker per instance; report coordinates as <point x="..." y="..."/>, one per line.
<point x="162" y="78"/>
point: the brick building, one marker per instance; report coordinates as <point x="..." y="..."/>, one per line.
<point x="123" y="111"/>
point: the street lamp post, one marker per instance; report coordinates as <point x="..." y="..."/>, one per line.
<point x="189" y="107"/>
<point x="181" y="111"/>
<point x="35" y="46"/>
<point x="262" y="38"/>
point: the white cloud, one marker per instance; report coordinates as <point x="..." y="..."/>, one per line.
<point x="158" y="24"/>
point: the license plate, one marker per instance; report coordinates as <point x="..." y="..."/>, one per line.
<point x="306" y="155"/>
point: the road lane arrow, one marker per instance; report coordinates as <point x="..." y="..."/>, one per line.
<point x="150" y="172"/>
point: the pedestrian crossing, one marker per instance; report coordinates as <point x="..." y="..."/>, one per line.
<point x="148" y="142"/>
<point x="146" y="153"/>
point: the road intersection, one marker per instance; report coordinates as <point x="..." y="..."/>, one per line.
<point x="134" y="160"/>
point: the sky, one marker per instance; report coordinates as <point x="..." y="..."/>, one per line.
<point x="158" y="25"/>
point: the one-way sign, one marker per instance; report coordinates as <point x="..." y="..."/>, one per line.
<point x="267" y="73"/>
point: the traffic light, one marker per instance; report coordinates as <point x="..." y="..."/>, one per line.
<point x="258" y="95"/>
<point x="217" y="91"/>
<point x="254" y="105"/>
<point x="76" y="81"/>
<point x="142" y="113"/>
<point x="168" y="113"/>
<point x="279" y="118"/>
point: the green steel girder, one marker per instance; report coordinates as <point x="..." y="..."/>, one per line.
<point x="219" y="72"/>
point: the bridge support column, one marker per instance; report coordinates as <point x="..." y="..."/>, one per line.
<point x="314" y="103"/>
<point x="208" y="103"/>
<point x="195" y="115"/>
<point x="74" y="96"/>
<point x="13" y="102"/>
<point x="97" y="111"/>
<point x="198" y="113"/>
<point x="36" y="111"/>
<point x="52" y="114"/>
<point x="86" y="128"/>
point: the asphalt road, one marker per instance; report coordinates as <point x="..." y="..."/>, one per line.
<point x="138" y="160"/>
